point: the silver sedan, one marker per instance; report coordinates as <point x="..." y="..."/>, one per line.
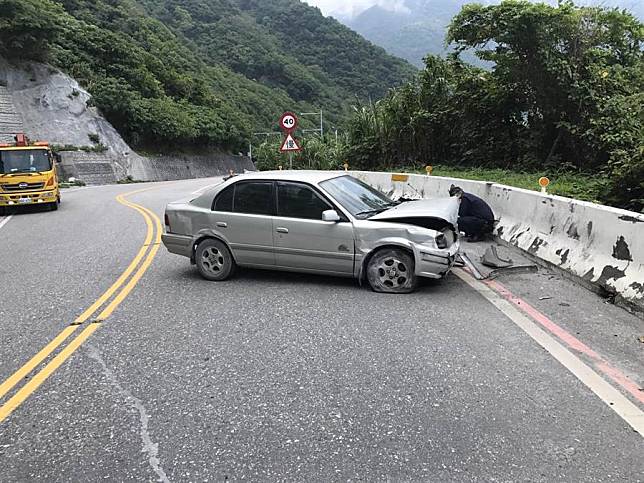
<point x="315" y="222"/>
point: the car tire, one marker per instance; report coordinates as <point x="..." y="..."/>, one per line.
<point x="3" y="211"/>
<point x="214" y="260"/>
<point x="53" y="206"/>
<point x="391" y="270"/>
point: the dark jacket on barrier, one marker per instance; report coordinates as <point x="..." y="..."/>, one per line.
<point x="472" y="205"/>
<point x="475" y="217"/>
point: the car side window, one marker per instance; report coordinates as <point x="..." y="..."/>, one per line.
<point x="296" y="200"/>
<point x="255" y="198"/>
<point x="224" y="200"/>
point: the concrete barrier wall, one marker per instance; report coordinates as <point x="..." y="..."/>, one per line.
<point x="601" y="245"/>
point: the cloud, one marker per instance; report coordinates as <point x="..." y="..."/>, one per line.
<point x="351" y="8"/>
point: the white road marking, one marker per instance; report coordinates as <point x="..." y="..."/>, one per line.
<point x="5" y="220"/>
<point x="614" y="399"/>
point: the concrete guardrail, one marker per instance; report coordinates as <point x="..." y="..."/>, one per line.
<point x="601" y="246"/>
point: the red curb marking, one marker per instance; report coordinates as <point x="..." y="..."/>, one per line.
<point x="570" y="340"/>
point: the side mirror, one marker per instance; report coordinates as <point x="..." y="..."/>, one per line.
<point x="330" y="215"/>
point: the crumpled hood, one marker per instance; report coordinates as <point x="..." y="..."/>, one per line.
<point x="439" y="208"/>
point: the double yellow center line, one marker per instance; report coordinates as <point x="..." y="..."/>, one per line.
<point x="108" y="302"/>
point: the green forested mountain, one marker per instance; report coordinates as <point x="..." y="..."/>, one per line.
<point x="200" y="72"/>
<point x="412" y="29"/>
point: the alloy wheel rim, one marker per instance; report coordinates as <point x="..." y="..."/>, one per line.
<point x="212" y="259"/>
<point x="392" y="273"/>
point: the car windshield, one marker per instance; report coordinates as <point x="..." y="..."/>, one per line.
<point x="24" y="161"/>
<point x="360" y="199"/>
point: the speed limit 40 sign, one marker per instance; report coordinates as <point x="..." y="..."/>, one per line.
<point x="288" y="122"/>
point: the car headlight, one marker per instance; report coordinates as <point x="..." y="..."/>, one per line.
<point x="441" y="241"/>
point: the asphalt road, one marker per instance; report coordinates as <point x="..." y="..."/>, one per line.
<point x="274" y="376"/>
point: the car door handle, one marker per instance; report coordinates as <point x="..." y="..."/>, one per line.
<point x="222" y="224"/>
<point x="281" y="229"/>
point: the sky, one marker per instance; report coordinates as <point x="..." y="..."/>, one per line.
<point x="349" y="8"/>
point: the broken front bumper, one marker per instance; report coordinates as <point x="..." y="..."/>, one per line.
<point x="432" y="262"/>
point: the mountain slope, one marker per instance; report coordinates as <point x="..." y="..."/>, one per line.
<point x="419" y="29"/>
<point x="200" y="72"/>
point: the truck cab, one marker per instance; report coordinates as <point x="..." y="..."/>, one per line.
<point x="28" y="175"/>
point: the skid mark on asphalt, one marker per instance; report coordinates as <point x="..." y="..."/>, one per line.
<point x="614" y="399"/>
<point x="149" y="251"/>
<point x="149" y="447"/>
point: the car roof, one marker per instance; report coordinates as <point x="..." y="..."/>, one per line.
<point x="307" y="176"/>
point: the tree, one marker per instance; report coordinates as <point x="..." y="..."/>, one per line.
<point x="29" y="27"/>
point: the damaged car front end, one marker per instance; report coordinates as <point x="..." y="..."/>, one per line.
<point x="427" y="228"/>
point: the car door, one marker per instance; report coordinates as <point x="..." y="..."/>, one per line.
<point x="242" y="214"/>
<point x="302" y="240"/>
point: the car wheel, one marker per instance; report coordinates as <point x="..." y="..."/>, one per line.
<point x="214" y="260"/>
<point x="53" y="206"/>
<point x="391" y="270"/>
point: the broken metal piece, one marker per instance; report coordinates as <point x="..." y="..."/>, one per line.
<point x="492" y="259"/>
<point x="472" y="268"/>
<point x="513" y="269"/>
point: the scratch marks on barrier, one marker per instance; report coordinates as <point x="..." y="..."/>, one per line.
<point x="609" y="272"/>
<point x="589" y="228"/>
<point x="563" y="255"/>
<point x="536" y="244"/>
<point x="632" y="219"/>
<point x="621" y="251"/>
<point x="572" y="231"/>
<point x="149" y="447"/>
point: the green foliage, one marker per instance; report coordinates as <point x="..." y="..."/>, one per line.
<point x="316" y="153"/>
<point x="562" y="183"/>
<point x="198" y="73"/>
<point x="29" y="27"/>
<point x="566" y="93"/>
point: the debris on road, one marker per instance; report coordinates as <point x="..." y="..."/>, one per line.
<point x="545" y="297"/>
<point x="492" y="259"/>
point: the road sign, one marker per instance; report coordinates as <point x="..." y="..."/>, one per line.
<point x="289" y="145"/>
<point x="288" y="122"/>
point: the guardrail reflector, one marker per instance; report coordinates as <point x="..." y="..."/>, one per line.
<point x="399" y="177"/>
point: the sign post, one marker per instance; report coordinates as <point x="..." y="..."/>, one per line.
<point x="288" y="124"/>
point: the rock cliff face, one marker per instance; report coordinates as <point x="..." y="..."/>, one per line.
<point x="48" y="105"/>
<point x="53" y="107"/>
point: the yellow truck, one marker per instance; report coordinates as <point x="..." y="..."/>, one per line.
<point x="27" y="175"/>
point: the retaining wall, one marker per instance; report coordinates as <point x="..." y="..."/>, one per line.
<point x="169" y="167"/>
<point x="603" y="246"/>
<point x="108" y="167"/>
